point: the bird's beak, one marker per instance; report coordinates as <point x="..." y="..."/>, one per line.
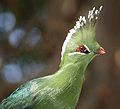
<point x="100" y="51"/>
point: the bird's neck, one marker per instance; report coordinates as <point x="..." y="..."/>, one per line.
<point x="71" y="78"/>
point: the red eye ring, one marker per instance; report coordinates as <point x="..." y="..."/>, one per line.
<point x="82" y="49"/>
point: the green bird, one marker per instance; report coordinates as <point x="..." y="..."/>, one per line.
<point x="62" y="89"/>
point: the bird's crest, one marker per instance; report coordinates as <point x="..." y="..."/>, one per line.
<point x="81" y="23"/>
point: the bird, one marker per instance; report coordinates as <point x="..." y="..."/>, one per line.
<point x="61" y="90"/>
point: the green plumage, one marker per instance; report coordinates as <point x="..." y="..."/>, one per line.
<point x="62" y="89"/>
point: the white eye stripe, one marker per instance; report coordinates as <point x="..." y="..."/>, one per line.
<point x="70" y="54"/>
<point x="87" y="48"/>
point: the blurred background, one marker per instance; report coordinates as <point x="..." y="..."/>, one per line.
<point x="31" y="36"/>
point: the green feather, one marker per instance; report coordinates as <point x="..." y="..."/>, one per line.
<point x="62" y="89"/>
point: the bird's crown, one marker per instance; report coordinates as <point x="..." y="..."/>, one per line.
<point x="82" y="33"/>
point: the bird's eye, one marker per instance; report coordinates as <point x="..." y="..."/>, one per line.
<point x="83" y="49"/>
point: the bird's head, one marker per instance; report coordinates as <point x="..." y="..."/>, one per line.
<point x="80" y="43"/>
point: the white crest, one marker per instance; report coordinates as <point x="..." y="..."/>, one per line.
<point x="93" y="14"/>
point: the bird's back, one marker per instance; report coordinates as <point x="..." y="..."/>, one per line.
<point x="39" y="93"/>
<point x="25" y="96"/>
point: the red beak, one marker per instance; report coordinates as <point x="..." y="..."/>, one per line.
<point x="101" y="51"/>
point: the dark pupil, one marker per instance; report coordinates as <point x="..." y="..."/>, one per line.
<point x="82" y="49"/>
